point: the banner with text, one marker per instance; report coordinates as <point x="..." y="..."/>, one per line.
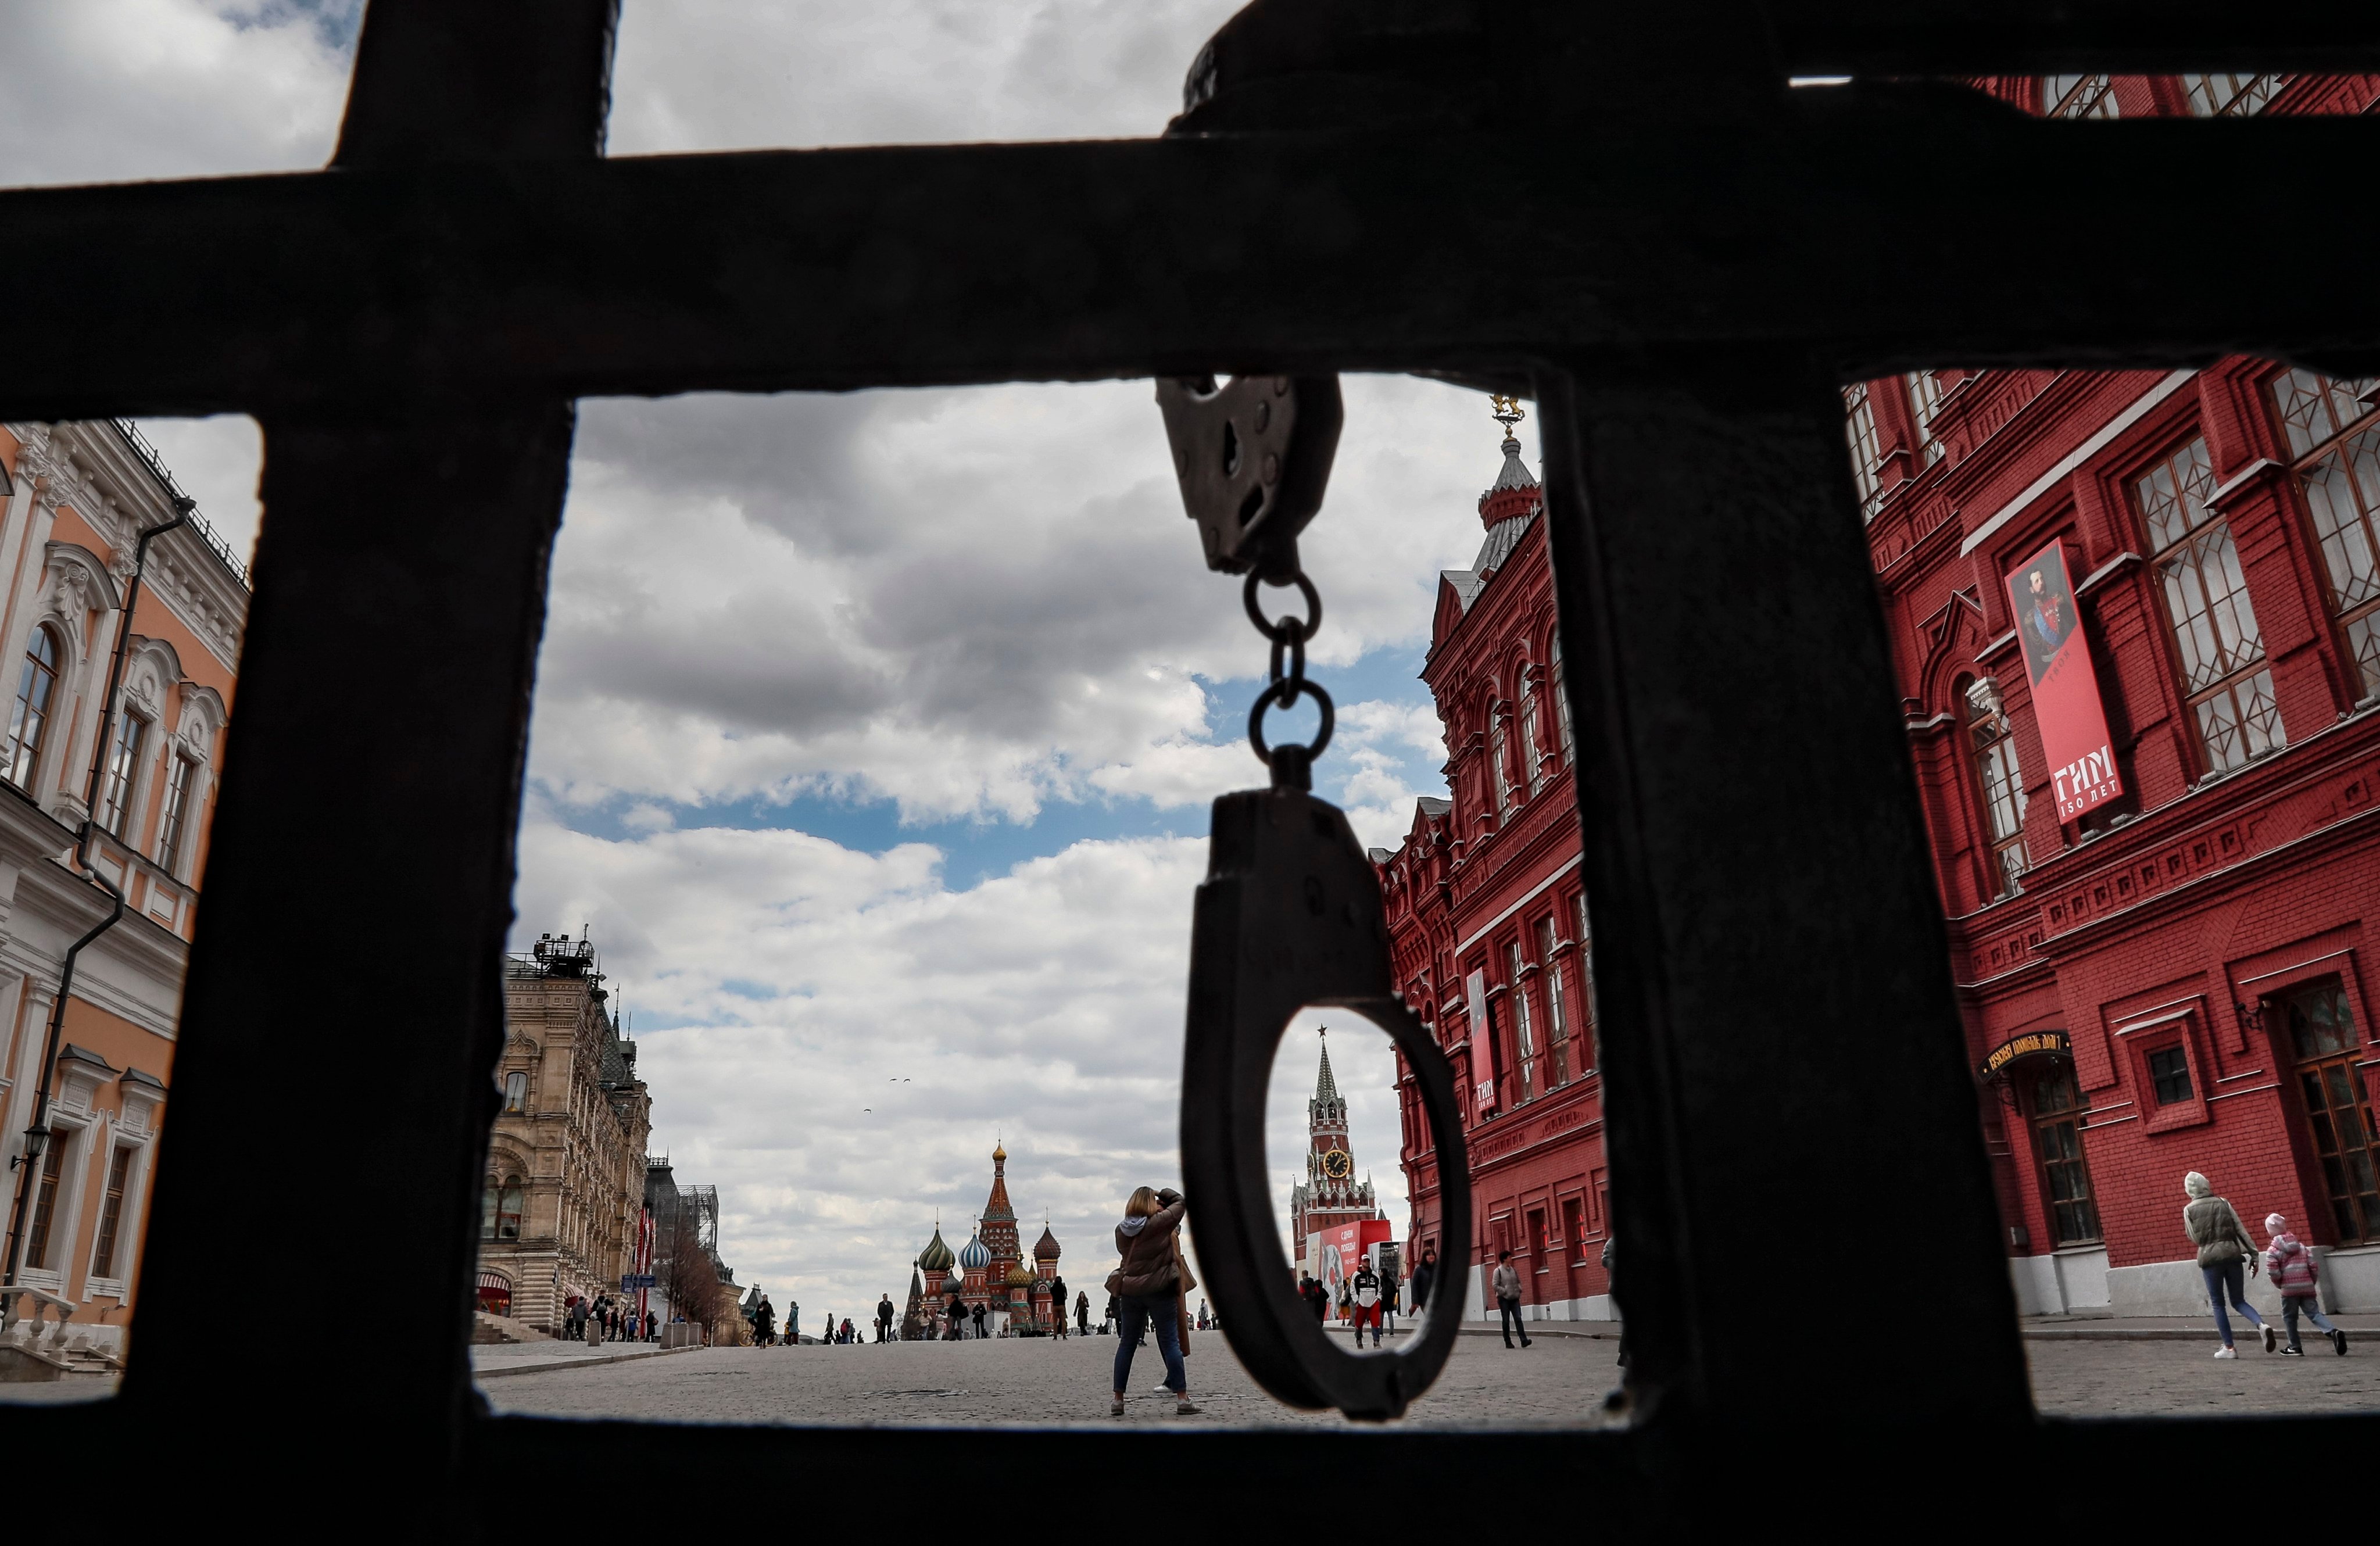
<point x="2065" y="687"/>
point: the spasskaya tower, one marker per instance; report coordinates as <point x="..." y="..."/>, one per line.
<point x="1330" y="1195"/>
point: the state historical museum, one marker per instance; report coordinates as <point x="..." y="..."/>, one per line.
<point x="2136" y="623"/>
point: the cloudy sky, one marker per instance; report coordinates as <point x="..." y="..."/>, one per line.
<point x="874" y="734"/>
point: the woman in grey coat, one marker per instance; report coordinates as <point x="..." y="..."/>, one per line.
<point x="2224" y="1249"/>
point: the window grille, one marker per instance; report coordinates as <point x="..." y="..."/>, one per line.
<point x="2214" y="96"/>
<point x="2215" y="631"/>
<point x="1925" y="402"/>
<point x="2335" y="435"/>
<point x="2078" y="96"/>
<point x="2170" y="1076"/>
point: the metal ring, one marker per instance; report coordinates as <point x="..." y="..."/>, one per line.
<point x="1307" y="626"/>
<point x="1296" y="648"/>
<point x="1287" y="691"/>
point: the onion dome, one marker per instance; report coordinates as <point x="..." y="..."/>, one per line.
<point x="1046" y="1248"/>
<point x="999" y="1152"/>
<point x="936" y="1257"/>
<point x="1018" y="1277"/>
<point x="975" y="1256"/>
<point x="952" y="1283"/>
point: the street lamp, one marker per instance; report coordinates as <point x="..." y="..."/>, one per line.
<point x="36" y="1140"/>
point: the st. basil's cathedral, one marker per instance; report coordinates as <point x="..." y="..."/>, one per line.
<point x="989" y="1270"/>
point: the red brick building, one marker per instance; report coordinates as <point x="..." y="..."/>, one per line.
<point x="2175" y="974"/>
<point x="1488" y="927"/>
<point x="2180" y="978"/>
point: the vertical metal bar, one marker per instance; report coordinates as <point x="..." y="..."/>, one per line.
<point x="376" y="756"/>
<point x="1791" y="1121"/>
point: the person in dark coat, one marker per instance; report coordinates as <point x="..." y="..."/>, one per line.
<point x="884" y="1318"/>
<point x="1317" y="1298"/>
<point x="1147" y="1284"/>
<point x="1425" y="1278"/>
<point x="1058" y="1307"/>
<point x="1083" y="1314"/>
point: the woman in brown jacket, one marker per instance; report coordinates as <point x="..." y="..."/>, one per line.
<point x="1147" y="1287"/>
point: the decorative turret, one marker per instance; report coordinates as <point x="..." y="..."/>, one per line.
<point x="1515" y="491"/>
<point x="936" y="1257"/>
<point x="1046" y="1248"/>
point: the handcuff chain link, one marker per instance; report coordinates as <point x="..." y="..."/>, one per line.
<point x="1292" y="765"/>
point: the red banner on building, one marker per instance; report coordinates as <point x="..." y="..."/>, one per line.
<point x="2065" y="688"/>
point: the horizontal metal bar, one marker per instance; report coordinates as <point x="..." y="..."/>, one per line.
<point x="842" y="269"/>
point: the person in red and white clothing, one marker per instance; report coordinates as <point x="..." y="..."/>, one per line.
<point x="1365" y="1286"/>
<point x="2297" y="1275"/>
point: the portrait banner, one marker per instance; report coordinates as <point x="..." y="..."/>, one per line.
<point x="2066" y="703"/>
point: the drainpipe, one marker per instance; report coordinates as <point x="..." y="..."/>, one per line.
<point x="100" y="742"/>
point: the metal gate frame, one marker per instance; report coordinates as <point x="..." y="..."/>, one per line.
<point x="1668" y="273"/>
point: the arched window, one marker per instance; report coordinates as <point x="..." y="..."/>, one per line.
<point x="123" y="771"/>
<point x="174" y="821"/>
<point x="1562" y="696"/>
<point x="2001" y="787"/>
<point x="1501" y="753"/>
<point x="36" y="685"/>
<point x="1533" y="750"/>
<point x="501" y="1208"/>
<point x="515" y="1092"/>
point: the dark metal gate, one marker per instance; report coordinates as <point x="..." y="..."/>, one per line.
<point x="412" y="325"/>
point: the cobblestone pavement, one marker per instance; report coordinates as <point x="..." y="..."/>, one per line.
<point x="2185" y="1378"/>
<point x="1559" y="1383"/>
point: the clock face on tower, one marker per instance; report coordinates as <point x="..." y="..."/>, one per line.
<point x="1336" y="1165"/>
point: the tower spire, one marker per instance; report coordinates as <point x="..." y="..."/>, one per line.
<point x="1325" y="1086"/>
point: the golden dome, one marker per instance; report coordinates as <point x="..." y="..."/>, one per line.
<point x="1018" y="1276"/>
<point x="1000" y="1151"/>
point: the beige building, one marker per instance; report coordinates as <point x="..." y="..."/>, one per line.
<point x="75" y="499"/>
<point x="565" y="1182"/>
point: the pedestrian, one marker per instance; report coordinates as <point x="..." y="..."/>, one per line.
<point x="1058" y="1306"/>
<point x="1083" y="1312"/>
<point x="849" y="1336"/>
<point x="884" y="1318"/>
<point x="954" y="1313"/>
<point x="1318" y="1302"/>
<point x="1610" y="1253"/>
<point x="1346" y="1300"/>
<point x="2293" y="1270"/>
<point x="1148" y="1285"/>
<point x="1107" y="1322"/>
<point x="1425" y="1278"/>
<point x="2223" y="1248"/>
<point x="1389" y="1291"/>
<point x="764" y="1322"/>
<point x="980" y="1313"/>
<point x="1508" y="1299"/>
<point x="1366" y="1288"/>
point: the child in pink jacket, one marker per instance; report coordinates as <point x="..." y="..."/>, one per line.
<point x="2293" y="1270"/>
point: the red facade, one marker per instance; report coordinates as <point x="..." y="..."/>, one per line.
<point x="1488" y="928"/>
<point x="2177" y="977"/>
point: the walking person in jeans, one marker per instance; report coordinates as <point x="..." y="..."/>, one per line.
<point x="2296" y="1274"/>
<point x="2223" y="1248"/>
<point x="1148" y="1285"/>
<point x="1507" y="1299"/>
